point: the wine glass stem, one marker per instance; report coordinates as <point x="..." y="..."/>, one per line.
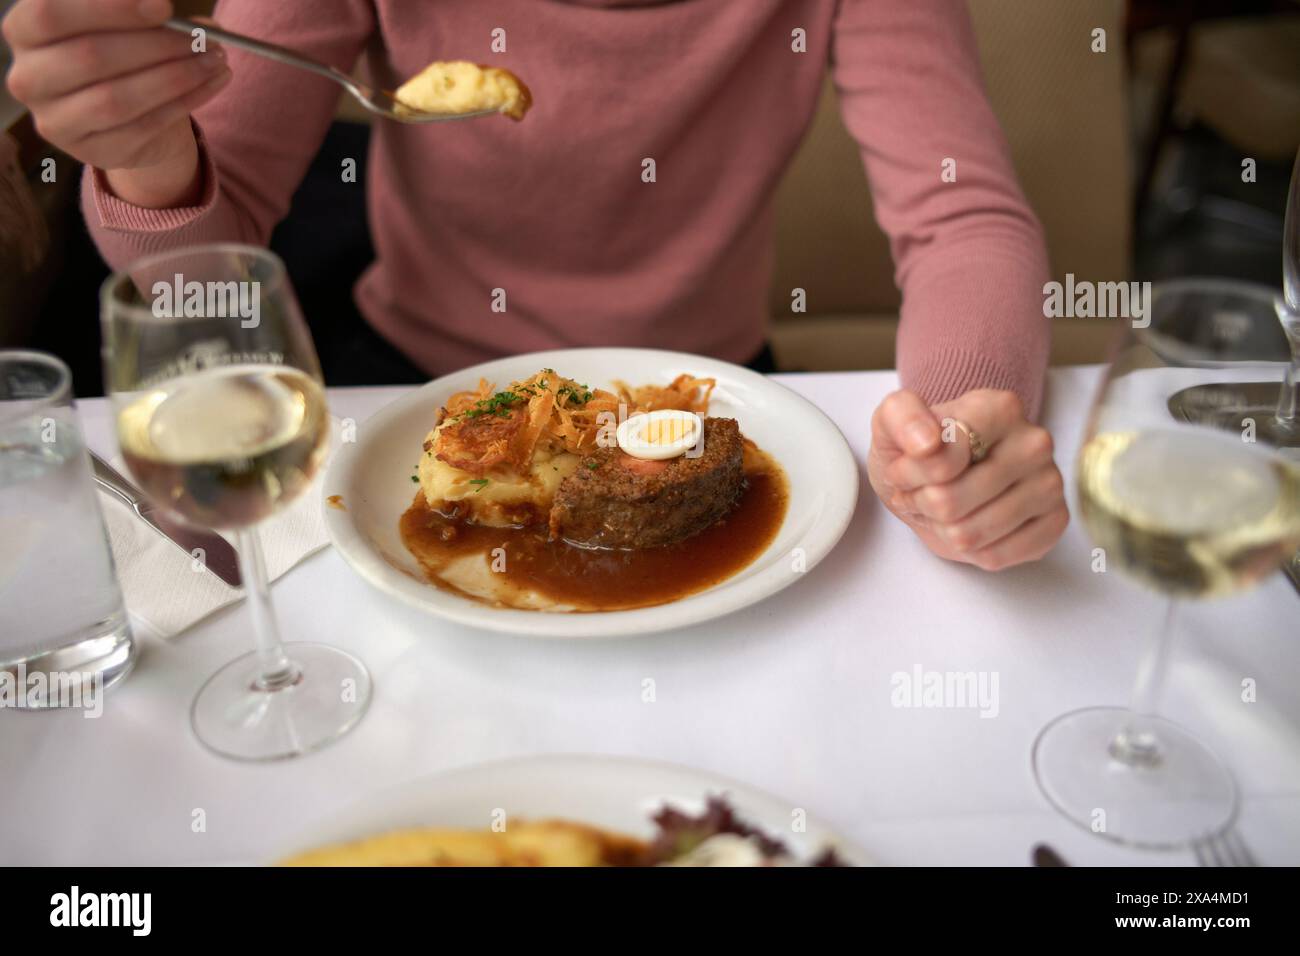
<point x="1287" y="400"/>
<point x="1286" y="404"/>
<point x="275" y="670"/>
<point x="1136" y="742"/>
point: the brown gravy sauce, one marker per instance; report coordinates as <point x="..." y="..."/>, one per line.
<point x="604" y="580"/>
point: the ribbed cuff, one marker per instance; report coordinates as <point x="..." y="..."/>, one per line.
<point x="949" y="373"/>
<point x="121" y="216"/>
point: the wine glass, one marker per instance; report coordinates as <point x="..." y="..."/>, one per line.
<point x="1181" y="490"/>
<point x="221" y="420"/>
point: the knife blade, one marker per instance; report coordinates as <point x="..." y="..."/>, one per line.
<point x="218" y="556"/>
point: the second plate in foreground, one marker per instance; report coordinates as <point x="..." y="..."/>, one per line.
<point x="619" y="794"/>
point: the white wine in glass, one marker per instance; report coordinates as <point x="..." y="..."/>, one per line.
<point x="1221" y="520"/>
<point x="226" y="446"/>
<point x="1192" y="504"/>
<point x="221" y="419"/>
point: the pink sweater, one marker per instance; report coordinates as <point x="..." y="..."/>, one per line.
<point x="554" y="209"/>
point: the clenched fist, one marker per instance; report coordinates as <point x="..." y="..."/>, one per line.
<point x="1004" y="510"/>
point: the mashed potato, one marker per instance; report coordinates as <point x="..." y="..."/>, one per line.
<point x="500" y="497"/>
<point x="458" y="86"/>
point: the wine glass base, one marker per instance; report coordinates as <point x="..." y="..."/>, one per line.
<point x="1183" y="796"/>
<point x="234" y="718"/>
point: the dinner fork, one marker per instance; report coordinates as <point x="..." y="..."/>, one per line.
<point x="377" y="101"/>
<point x="1223" y="849"/>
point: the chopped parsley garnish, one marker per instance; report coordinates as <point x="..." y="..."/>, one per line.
<point x="593" y="465"/>
<point x="481" y="482"/>
<point x="415" y="479"/>
<point x="580" y="394"/>
<point x="499" y="404"/>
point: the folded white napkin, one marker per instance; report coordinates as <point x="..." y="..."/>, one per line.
<point x="162" y="586"/>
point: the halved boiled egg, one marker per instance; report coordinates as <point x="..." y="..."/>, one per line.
<point x="659" y="435"/>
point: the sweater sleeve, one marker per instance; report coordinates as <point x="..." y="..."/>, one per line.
<point x="256" y="138"/>
<point x="969" y="254"/>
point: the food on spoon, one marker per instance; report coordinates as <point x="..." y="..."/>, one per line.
<point x="458" y="86"/>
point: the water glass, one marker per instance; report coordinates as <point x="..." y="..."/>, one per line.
<point x="64" y="635"/>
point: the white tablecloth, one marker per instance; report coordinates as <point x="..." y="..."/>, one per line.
<point x="792" y="695"/>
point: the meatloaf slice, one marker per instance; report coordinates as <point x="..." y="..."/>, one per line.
<point x="615" y="501"/>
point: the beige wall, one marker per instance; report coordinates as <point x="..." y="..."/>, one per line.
<point x="1064" y="112"/>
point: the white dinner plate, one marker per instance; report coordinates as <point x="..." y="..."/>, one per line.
<point x="614" y="793"/>
<point x="373" y="477"/>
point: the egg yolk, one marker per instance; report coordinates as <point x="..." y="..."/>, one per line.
<point x="666" y="431"/>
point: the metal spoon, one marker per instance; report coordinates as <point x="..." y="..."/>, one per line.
<point x="377" y="101"/>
